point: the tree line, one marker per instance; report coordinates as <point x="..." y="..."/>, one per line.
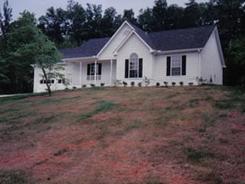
<point x="71" y="26"/>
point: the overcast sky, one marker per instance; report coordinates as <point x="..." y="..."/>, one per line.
<point x="39" y="7"/>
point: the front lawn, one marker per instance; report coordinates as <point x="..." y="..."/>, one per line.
<point x="179" y="135"/>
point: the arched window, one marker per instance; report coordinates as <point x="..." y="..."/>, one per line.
<point x="134" y="66"/>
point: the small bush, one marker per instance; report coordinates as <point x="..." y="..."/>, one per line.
<point x="92" y="85"/>
<point x="74" y="88"/>
<point x="165" y="84"/>
<point x="132" y="84"/>
<point x="84" y="86"/>
<point x="102" y="84"/>
<point x="139" y="84"/>
<point x="157" y="84"/>
<point x="181" y="83"/>
<point x="173" y="83"/>
<point x="190" y="83"/>
<point x="125" y="84"/>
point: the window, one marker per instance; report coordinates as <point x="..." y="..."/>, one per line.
<point x="91" y="71"/>
<point x="176" y="65"/>
<point x="134" y="66"/>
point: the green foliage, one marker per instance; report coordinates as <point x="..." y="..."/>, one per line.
<point x="24" y="45"/>
<point x="197" y="155"/>
<point x="236" y="62"/>
<point x="102" y="106"/>
<point x="12" y="177"/>
<point x="235" y="100"/>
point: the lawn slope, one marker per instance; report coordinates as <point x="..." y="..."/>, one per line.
<point x="179" y="135"/>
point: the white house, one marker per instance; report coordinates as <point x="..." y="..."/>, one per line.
<point x="132" y="56"/>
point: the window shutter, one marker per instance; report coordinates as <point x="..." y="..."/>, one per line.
<point x="184" y="65"/>
<point x="88" y="69"/>
<point x="140" y="67"/>
<point x="168" y="65"/>
<point x="126" y="68"/>
<point x="100" y="68"/>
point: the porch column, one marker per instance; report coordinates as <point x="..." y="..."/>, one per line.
<point x="81" y="66"/>
<point x="95" y="71"/>
<point x="111" y="71"/>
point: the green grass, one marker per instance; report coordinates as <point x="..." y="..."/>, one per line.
<point x="12" y="99"/>
<point x="13" y="116"/>
<point x="4" y="100"/>
<point x="234" y="100"/>
<point x="134" y="125"/>
<point x="13" y="177"/>
<point x="102" y="106"/>
<point x="197" y="155"/>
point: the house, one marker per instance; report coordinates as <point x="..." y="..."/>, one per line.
<point x="132" y="56"/>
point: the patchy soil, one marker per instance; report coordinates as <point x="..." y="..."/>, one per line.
<point x="188" y="135"/>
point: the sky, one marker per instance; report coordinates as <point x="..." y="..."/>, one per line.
<point x="39" y="7"/>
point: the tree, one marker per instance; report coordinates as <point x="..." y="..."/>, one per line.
<point x="27" y="45"/>
<point x="146" y="19"/>
<point x="5" y="18"/>
<point x="108" y="21"/>
<point x="55" y="25"/>
<point x="192" y="14"/>
<point x="236" y="63"/>
<point x="77" y="19"/>
<point x="160" y="15"/>
<point x="129" y="16"/>
<point x="174" y="17"/>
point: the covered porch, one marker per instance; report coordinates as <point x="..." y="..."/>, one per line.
<point x="87" y="72"/>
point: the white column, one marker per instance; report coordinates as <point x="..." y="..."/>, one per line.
<point x="95" y="71"/>
<point x="81" y="65"/>
<point x="111" y="71"/>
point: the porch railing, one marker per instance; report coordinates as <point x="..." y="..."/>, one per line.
<point x="92" y="77"/>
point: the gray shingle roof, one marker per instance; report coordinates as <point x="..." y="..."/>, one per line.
<point x="181" y="39"/>
<point x="164" y="41"/>
<point x="87" y="49"/>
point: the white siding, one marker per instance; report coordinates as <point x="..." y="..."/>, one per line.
<point x="38" y="87"/>
<point x="107" y="53"/>
<point x="192" y="69"/>
<point x="105" y="74"/>
<point x="211" y="62"/>
<point x="134" y="45"/>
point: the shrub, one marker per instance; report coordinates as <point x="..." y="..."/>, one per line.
<point x="132" y="84"/>
<point x="165" y="84"/>
<point x="140" y="84"/>
<point x="125" y="84"/>
<point x="102" y="84"/>
<point x="173" y="83"/>
<point x="84" y="86"/>
<point x="92" y="85"/>
<point x="74" y="88"/>
<point x="181" y="83"/>
<point x="190" y="83"/>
